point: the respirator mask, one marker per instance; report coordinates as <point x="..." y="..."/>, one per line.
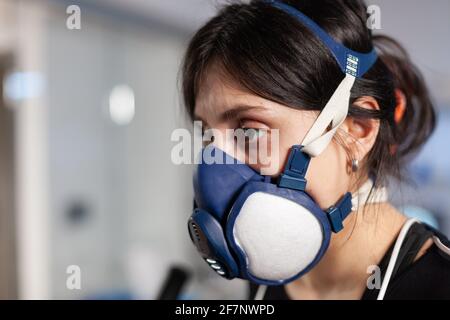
<point x="271" y="233"/>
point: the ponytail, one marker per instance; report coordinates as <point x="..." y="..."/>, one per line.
<point x="418" y="121"/>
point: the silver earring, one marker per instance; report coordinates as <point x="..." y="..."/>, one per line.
<point x="355" y="165"/>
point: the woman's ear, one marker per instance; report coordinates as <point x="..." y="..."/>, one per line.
<point x="400" y="108"/>
<point x="360" y="134"/>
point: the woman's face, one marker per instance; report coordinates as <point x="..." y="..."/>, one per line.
<point x="222" y="105"/>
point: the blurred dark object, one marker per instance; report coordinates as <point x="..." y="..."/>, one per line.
<point x="77" y="212"/>
<point x="176" y="279"/>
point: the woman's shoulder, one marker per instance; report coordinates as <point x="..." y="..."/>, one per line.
<point x="428" y="277"/>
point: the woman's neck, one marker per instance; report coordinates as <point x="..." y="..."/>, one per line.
<point x="343" y="271"/>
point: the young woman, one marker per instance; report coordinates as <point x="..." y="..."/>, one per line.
<point x="262" y="66"/>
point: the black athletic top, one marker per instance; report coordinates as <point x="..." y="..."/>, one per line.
<point x="426" y="278"/>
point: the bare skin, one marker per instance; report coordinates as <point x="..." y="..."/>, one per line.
<point x="368" y="233"/>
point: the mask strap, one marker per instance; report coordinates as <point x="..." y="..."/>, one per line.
<point x="349" y="203"/>
<point x="338" y="213"/>
<point x="315" y="142"/>
<point x="334" y="114"/>
<point x="361" y="196"/>
<point x="352" y="63"/>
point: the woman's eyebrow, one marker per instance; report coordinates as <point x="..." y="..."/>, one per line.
<point x="234" y="112"/>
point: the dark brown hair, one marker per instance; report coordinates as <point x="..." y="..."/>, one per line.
<point x="274" y="56"/>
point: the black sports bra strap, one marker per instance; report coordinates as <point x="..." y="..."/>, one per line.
<point x="412" y="246"/>
<point x="415" y="239"/>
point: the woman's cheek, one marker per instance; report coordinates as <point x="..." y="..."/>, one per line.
<point x="328" y="179"/>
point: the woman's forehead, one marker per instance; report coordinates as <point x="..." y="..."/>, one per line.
<point x="219" y="93"/>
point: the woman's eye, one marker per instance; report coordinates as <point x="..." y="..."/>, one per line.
<point x="253" y="134"/>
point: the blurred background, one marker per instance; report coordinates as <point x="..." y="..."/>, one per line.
<point x="86" y="116"/>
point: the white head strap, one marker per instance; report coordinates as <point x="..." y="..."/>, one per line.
<point x="334" y="114"/>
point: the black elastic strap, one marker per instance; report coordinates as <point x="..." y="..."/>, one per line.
<point x="414" y="241"/>
<point x="412" y="247"/>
